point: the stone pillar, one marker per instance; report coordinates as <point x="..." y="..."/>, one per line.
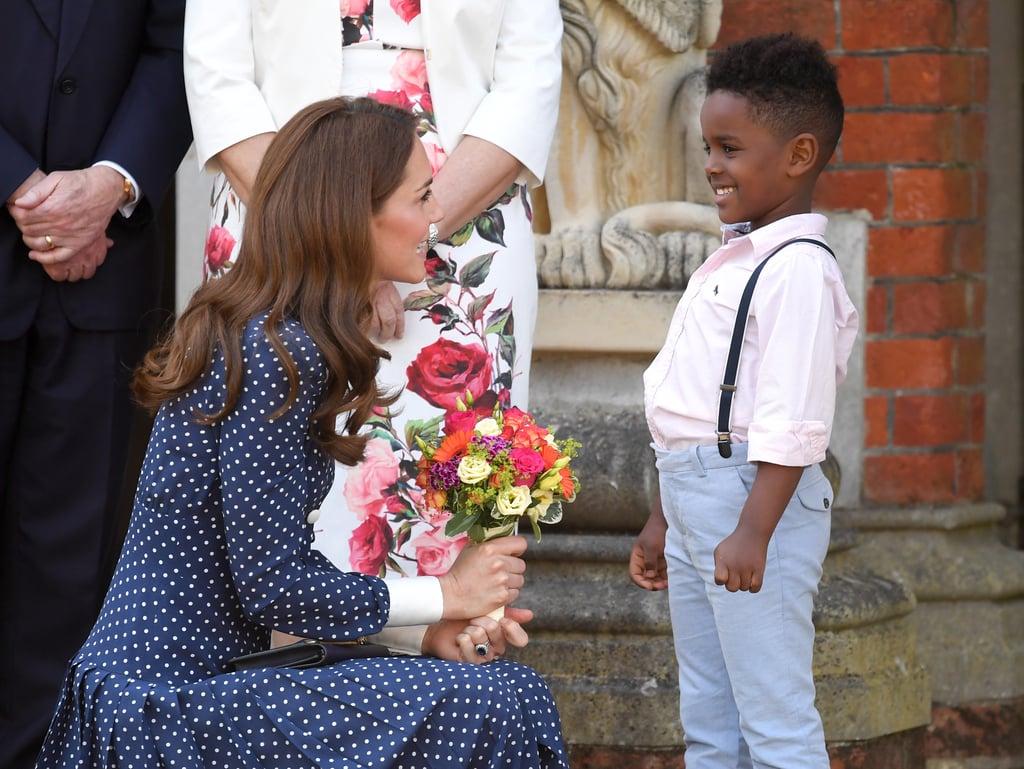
<point x="969" y="621"/>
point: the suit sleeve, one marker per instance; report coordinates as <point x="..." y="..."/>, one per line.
<point x="16" y="165"/>
<point x="150" y="131"/>
<point x="521" y="109"/>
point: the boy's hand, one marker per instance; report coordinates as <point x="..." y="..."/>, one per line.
<point x="647" y="566"/>
<point x="740" y="561"/>
<point x="740" y="558"/>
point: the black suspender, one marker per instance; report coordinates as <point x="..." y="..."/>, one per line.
<point x="739" y="330"/>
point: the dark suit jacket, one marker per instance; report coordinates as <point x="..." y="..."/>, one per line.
<point x="82" y="81"/>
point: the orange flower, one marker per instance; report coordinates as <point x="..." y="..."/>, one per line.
<point x="453" y="445"/>
<point x="530" y="435"/>
<point x="513" y="420"/>
<point x="568" y="484"/>
<point x="549" y="454"/>
<point x="435" y="498"/>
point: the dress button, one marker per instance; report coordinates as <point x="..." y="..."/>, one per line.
<point x="68" y="85"/>
<point x="313" y="517"/>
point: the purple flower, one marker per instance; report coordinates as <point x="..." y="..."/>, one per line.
<point x="494" y="444"/>
<point x="445" y="475"/>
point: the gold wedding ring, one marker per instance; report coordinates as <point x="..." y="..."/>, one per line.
<point x="49" y="241"/>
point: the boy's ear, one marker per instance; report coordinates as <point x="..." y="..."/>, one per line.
<point x="803" y="153"/>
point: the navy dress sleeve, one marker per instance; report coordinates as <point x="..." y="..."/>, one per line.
<point x="266" y="467"/>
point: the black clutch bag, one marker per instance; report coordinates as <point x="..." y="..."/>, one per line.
<point x="307" y="653"/>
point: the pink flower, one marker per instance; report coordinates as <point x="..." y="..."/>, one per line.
<point x="219" y="245"/>
<point x="353" y="7"/>
<point x="436" y="518"/>
<point x="367" y="483"/>
<point x="435" y="553"/>
<point x="369" y="545"/>
<point x="460" y="420"/>
<point x="435" y="156"/>
<point x="528" y="464"/>
<point x="406" y="9"/>
<point x="410" y="74"/>
<point x="444" y="370"/>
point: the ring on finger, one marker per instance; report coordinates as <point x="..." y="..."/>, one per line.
<point x="49" y="242"/>
<point x="483" y="648"/>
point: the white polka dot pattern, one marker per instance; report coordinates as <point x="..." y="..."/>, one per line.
<point x="219" y="550"/>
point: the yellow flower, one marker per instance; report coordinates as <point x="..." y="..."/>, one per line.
<point x="513" y="501"/>
<point x="488" y="426"/>
<point x="544" y="499"/>
<point x="550" y="481"/>
<point x="473" y="469"/>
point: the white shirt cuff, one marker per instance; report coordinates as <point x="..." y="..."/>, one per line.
<point x="405" y="640"/>
<point x="126" y="209"/>
<point x="414" y="601"/>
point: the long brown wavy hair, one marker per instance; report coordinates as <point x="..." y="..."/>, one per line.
<point x="306" y="254"/>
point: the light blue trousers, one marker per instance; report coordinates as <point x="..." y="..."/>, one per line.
<point x="745" y="681"/>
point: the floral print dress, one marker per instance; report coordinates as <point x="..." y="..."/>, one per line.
<point x="468" y="326"/>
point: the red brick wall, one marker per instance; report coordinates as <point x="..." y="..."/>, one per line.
<point x="914" y="76"/>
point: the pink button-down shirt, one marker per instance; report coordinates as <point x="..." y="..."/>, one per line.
<point x="799" y="336"/>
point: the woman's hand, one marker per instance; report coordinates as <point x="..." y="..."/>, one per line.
<point x="484" y="577"/>
<point x="388" y="321"/>
<point x="456" y="641"/>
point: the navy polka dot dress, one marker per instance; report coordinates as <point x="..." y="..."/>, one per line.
<point x="218" y="552"/>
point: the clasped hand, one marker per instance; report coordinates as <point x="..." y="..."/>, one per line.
<point x="484" y="577"/>
<point x="63" y="218"/>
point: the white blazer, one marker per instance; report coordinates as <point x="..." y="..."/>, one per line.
<point x="494" y="68"/>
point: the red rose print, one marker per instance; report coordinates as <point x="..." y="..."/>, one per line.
<point x="443" y="372"/>
<point x="369" y="545"/>
<point x="394" y="98"/>
<point x="426" y="102"/>
<point x="406" y="9"/>
<point x="219" y="245"/>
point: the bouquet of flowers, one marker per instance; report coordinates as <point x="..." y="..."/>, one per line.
<point x="489" y="473"/>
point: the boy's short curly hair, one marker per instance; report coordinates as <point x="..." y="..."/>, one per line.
<point x="790" y="84"/>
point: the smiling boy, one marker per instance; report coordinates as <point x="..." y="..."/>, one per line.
<point x="741" y="528"/>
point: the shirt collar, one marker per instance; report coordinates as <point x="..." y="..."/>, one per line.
<point x="763" y="239"/>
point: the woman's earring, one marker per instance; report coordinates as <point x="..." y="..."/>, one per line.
<point x="431" y="236"/>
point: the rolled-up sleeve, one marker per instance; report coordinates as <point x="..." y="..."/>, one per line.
<point x="795" y="314"/>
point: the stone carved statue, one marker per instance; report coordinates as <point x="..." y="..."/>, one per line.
<point x="628" y="140"/>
